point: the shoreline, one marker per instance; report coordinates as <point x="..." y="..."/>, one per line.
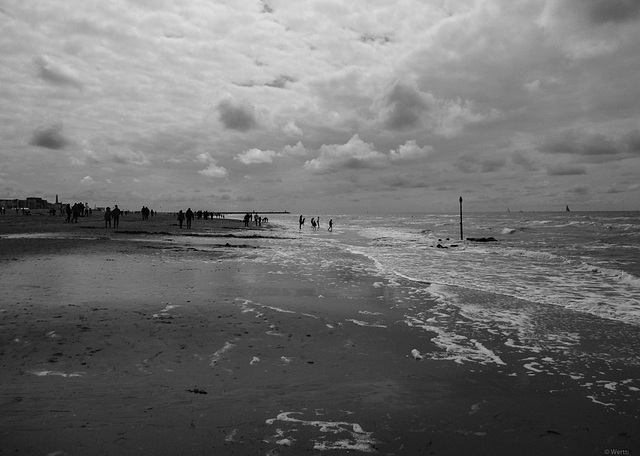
<point x="137" y="344"/>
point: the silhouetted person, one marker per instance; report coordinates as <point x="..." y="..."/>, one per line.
<point x="180" y="217"/>
<point x="76" y="212"/>
<point x="189" y="217"/>
<point x="107" y="217"/>
<point x="116" y="216"/>
<point x="330" y="225"/>
<point x="67" y="209"/>
<point x="301" y="222"/>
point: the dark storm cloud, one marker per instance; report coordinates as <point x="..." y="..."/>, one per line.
<point x="593" y="147"/>
<point x="237" y="117"/>
<point x="575" y="142"/>
<point x="492" y="164"/>
<point x="379" y="39"/>
<point x="469" y="164"/>
<point x="49" y="137"/>
<point x="603" y="11"/>
<point x="404" y="107"/>
<point x="524" y="161"/>
<point x="632" y="141"/>
<point x="266" y="8"/>
<point x="566" y="170"/>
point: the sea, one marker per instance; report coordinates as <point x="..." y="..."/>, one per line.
<point x="588" y="262"/>
<point x="555" y="293"/>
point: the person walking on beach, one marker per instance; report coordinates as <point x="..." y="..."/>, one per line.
<point x="189" y="217"/>
<point x="107" y="217"/>
<point x="330" y="225"/>
<point x="180" y="217"/>
<point x="116" y="216"/>
<point x="313" y="224"/>
<point x="76" y="213"/>
<point x="301" y="222"/>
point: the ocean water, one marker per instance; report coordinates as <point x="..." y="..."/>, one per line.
<point x="588" y="262"/>
<point x="556" y="294"/>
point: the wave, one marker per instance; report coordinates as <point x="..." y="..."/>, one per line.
<point x="612" y="273"/>
<point x="535" y="254"/>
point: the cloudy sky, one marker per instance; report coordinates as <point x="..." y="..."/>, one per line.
<point x="322" y="106"/>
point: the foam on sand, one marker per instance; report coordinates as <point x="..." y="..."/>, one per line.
<point x="217" y="356"/>
<point x="365" y="324"/>
<point x="351" y="435"/>
<point x="45" y="373"/>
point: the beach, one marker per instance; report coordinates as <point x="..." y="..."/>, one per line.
<point x="154" y="340"/>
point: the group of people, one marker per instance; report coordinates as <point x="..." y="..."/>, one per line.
<point x="145" y="211"/>
<point x="208" y="214"/>
<point x="112" y="215"/>
<point x="256" y="219"/>
<point x="315" y="223"/>
<point x="185" y="215"/>
<point x="75" y="211"/>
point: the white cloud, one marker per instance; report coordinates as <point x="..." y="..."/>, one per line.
<point x="256" y="156"/>
<point x="297" y="150"/>
<point x="57" y="72"/>
<point x="355" y="154"/>
<point x="212" y="170"/>
<point x="291" y="129"/>
<point x="205" y="157"/>
<point x="129" y="157"/>
<point x="533" y="86"/>
<point x="410" y="151"/>
<point x="455" y="115"/>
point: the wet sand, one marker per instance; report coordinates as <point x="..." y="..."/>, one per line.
<point x="134" y="341"/>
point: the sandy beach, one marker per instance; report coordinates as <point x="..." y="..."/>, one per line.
<point x="140" y="340"/>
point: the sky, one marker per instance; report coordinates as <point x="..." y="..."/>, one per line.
<point x="322" y="106"/>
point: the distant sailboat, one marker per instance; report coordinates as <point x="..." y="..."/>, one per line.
<point x="567" y="209"/>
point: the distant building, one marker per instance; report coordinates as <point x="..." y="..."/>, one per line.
<point x="32" y="202"/>
<point x="10" y="203"/>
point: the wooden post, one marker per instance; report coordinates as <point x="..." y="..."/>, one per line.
<point x="461" y="236"/>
